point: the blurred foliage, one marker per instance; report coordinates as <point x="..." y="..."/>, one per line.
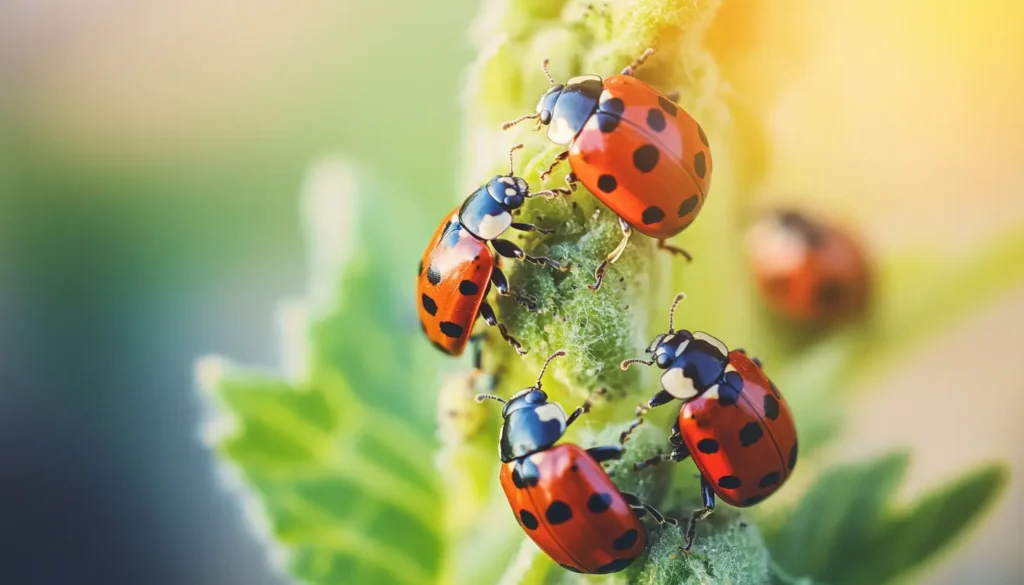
<point x="357" y="484"/>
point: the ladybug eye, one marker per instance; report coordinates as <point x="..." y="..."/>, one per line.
<point x="545" y="117"/>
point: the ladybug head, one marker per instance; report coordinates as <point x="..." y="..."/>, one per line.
<point x="531" y="423"/>
<point x="546" y="105"/>
<point x="509" y="191"/>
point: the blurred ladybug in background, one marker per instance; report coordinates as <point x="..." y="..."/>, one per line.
<point x="807" y="270"/>
<point x="632" y="147"/>
<point x="457" y="268"/>
<point x="560" y="494"/>
<point x="733" y="421"/>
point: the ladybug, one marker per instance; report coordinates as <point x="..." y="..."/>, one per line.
<point x="631" y="146"/>
<point x="733" y="422"/>
<point x="560" y="494"/>
<point x="458" y="268"/>
<point x="807" y="270"/>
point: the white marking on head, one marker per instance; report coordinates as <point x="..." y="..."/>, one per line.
<point x="550" y="411"/>
<point x="507" y="180"/>
<point x="682" y="347"/>
<point x="509" y="191"/>
<point x="559" y="131"/>
<point x="776" y="250"/>
<point x="492" y="226"/>
<point x="678" y="385"/>
<point x="605" y="96"/>
<point x="714" y="341"/>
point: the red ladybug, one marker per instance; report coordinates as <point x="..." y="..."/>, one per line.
<point x="458" y="268"/>
<point x="560" y="494"/>
<point x="808" y="270"/>
<point x="733" y="421"/>
<point x="631" y="146"/>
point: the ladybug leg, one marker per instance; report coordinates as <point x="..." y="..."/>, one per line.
<point x="641" y="509"/>
<point x="510" y="250"/>
<point x="529" y="227"/>
<point x="674" y="250"/>
<point x="558" y="159"/>
<point x="627" y="231"/>
<point x="679" y="451"/>
<point x="637" y="63"/>
<point x="585" y="407"/>
<point x="488" y="314"/>
<point x="708" y="495"/>
<point x="552" y="193"/>
<point x="501" y="283"/>
<point x="606" y="453"/>
<point x="571" y="181"/>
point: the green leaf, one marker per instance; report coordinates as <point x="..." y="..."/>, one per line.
<point x="845" y="530"/>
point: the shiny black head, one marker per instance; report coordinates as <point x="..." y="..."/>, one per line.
<point x="508" y="191"/>
<point x="565" y="109"/>
<point x="546" y="105"/>
<point x="531" y="423"/>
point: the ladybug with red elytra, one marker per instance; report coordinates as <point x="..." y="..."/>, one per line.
<point x="808" y="269"/>
<point x="458" y="267"/>
<point x="560" y="494"/>
<point x="733" y="422"/>
<point x="631" y="146"/>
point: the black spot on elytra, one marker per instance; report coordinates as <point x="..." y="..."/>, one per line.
<point x="730" y="389"/>
<point x="750" y="434"/>
<point x="645" y="158"/>
<point x="433" y="275"/>
<point x="614" y="106"/>
<point x="517" y="478"/>
<point x="652" y="214"/>
<point x="599" y="502"/>
<point x="607" y="123"/>
<point x="627" y="540"/>
<point x="689" y="205"/>
<point x="700" y="164"/>
<point x="569" y="568"/>
<point x="468" y="288"/>
<point x="615" y="566"/>
<point x="792" y="457"/>
<point x="528" y="520"/>
<point x="707" y="446"/>
<point x="729" y="482"/>
<point x="769" y="479"/>
<point x="829" y="294"/>
<point x="771" y="407"/>
<point x="453" y="330"/>
<point x="667" y="105"/>
<point x="703" y="137"/>
<point x="428" y="304"/>
<point x="752" y="500"/>
<point x="558" y="512"/>
<point x="655" y="120"/>
<point x="607" y="183"/>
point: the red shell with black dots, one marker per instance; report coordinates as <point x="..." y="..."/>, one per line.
<point x="453" y="279"/>
<point x="741" y="434"/>
<point x="569" y="506"/>
<point x="808" y="270"/>
<point x="644" y="157"/>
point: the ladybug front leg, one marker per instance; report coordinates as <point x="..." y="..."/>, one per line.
<point x="641" y="508"/>
<point x="627" y="231"/>
<point x="674" y="250"/>
<point x="488" y="314"/>
<point x="585" y="407"/>
<point x="529" y="227"/>
<point x="708" y="495"/>
<point x="510" y="250"/>
<point x="554" y="164"/>
<point x="679" y="451"/>
<point x="500" y="283"/>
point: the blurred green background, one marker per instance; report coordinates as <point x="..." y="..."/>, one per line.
<point x="151" y="160"/>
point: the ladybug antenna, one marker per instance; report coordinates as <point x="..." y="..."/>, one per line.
<point x="544" y="368"/>
<point x="511" y="164"/>
<point x="544" y="66"/>
<point x="482" y="397"/>
<point x="626" y="363"/>
<point x="512" y="123"/>
<point x="672" y="312"/>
